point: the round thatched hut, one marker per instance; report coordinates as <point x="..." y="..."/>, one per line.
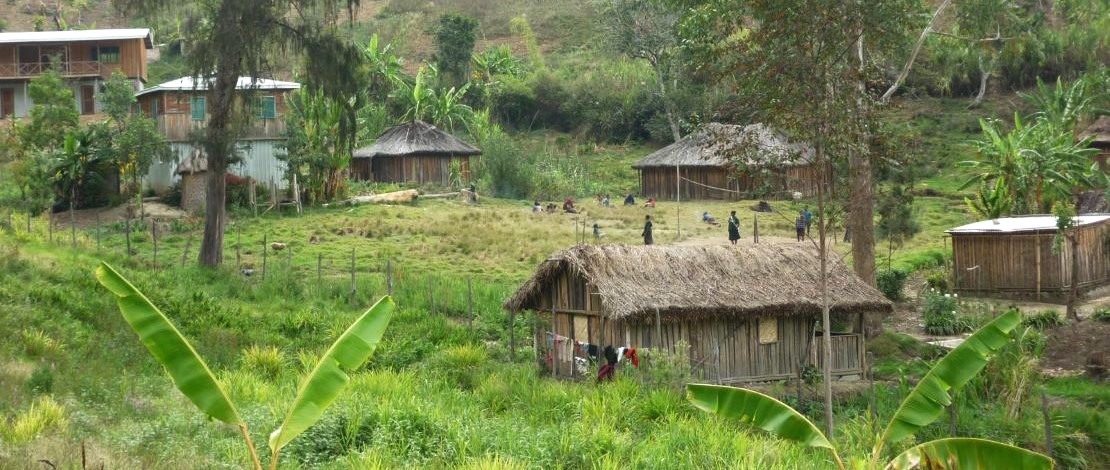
<point x="414" y="152"/>
<point x="747" y="313"/>
<point x="725" y="161"/>
<point x="1099" y="133"/>
<point x="194" y="181"/>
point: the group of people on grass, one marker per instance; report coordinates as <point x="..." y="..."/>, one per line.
<point x="603" y="200"/>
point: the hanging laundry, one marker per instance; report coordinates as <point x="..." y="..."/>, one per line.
<point x="630" y="353"/>
<point x="610" y="368"/>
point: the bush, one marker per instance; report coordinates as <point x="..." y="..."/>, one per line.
<point x="41" y="380"/>
<point x="45" y="414"/>
<point x="937" y="281"/>
<point x="1102" y="314"/>
<point x="891" y="282"/>
<point x="941" y="315"/>
<point x="267" y="361"/>
<point x="1043" y="319"/>
<point x="38" y="344"/>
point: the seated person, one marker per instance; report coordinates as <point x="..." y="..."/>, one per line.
<point x="605" y="201"/>
<point x="551" y="207"/>
<point x="650" y="203"/>
<point x="629" y="200"/>
<point x="568" y="206"/>
<point x="536" y="207"/>
<point x="597" y="232"/>
<point x="705" y="217"/>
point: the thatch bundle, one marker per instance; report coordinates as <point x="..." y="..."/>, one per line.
<point x="416" y="138"/>
<point x="692" y="282"/>
<point x="720" y="145"/>
<point x="1099" y="132"/>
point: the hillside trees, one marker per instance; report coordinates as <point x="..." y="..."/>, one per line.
<point x="801" y="59"/>
<point x="648" y="29"/>
<point x="454" y="37"/>
<point x="232" y="38"/>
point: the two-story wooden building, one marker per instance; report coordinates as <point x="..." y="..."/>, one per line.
<point x="180" y="108"/>
<point x="85" y="57"/>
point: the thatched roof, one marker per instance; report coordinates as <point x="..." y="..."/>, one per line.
<point x="196" y="162"/>
<point x="719" y="145"/>
<point x="1099" y="132"/>
<point x="686" y="282"/>
<point x="416" y="138"/>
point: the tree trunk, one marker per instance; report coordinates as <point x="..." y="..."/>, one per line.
<point x="826" y="322"/>
<point x="913" y="55"/>
<point x="219" y="139"/>
<point x="984" y="76"/>
<point x="1073" y="293"/>
<point x="861" y="208"/>
<point x="668" y="110"/>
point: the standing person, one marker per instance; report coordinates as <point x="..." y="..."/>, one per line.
<point x="597" y="232"/>
<point x="647" y="230"/>
<point x="733" y="227"/>
<point x="800" y="226"/>
<point x="809" y="219"/>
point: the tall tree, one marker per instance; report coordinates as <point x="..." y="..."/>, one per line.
<point x="647" y="29"/>
<point x="798" y="59"/>
<point x="454" y="37"/>
<point x="229" y="38"/>
<point x="136" y="142"/>
<point x="53" y="115"/>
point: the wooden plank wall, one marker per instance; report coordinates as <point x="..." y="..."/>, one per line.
<point x="659" y="182"/>
<point x="420" y="169"/>
<point x="1010" y="262"/>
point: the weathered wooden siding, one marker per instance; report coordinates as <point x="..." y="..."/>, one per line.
<point x="259" y="162"/>
<point x="703" y="182"/>
<point x="420" y="169"/>
<point x="725" y="350"/>
<point x="1025" y="262"/>
<point x="77" y="57"/>
<point x="175" y="118"/>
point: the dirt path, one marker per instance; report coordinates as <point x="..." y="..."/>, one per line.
<point x="87" y="218"/>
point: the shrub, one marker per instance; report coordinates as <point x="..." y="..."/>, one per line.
<point x="267" y="361"/>
<point x="891" y="282"/>
<point x="41" y="380"/>
<point x="45" y="414"/>
<point x="937" y="281"/>
<point x="1102" y="314"/>
<point x="1043" y="319"/>
<point x="941" y="316"/>
<point x="38" y="344"/>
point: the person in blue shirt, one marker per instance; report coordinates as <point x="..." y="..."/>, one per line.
<point x="800" y="226"/>
<point x="809" y="218"/>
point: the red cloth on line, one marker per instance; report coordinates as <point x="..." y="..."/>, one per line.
<point x="606" y="372"/>
<point x="630" y="353"/>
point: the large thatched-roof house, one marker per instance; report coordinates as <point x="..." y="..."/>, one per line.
<point x="725" y="161"/>
<point x="747" y="313"/>
<point x="1014" y="256"/>
<point x="1099" y="133"/>
<point x="414" y="152"/>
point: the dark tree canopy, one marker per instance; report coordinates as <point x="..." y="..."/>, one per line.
<point x="454" y="37"/>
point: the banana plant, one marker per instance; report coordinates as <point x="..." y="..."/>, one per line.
<point x="925" y="403"/>
<point x="191" y="375"/>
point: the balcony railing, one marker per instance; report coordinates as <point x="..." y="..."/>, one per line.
<point x="68" y="69"/>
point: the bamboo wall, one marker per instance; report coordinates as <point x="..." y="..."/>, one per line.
<point x="419" y="169"/>
<point x="1026" y="263"/>
<point x="722" y="350"/>
<point x="659" y="182"/>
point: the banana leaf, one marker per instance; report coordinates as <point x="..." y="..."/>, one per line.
<point x="968" y="454"/>
<point x="330" y="377"/>
<point x="189" y="372"/>
<point x="926" y="402"/>
<point x="757" y="410"/>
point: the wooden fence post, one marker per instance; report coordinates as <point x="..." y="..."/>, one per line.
<point x="238" y="254"/>
<point x="185" y="253"/>
<point x="154" y="237"/>
<point x="1047" y="425"/>
<point x="264" y="249"/>
<point x="388" y="277"/>
<point x="127" y="233"/>
<point x="354" y="287"/>
<point x="755" y="226"/>
<point x="658" y="330"/>
<point x="470" y="301"/>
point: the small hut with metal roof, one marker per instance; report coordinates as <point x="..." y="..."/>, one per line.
<point x="1014" y="256"/>
<point x="726" y="161"/>
<point x="742" y="313"/>
<point x="415" y="152"/>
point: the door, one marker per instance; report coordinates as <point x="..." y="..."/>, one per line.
<point x="7" y="102"/>
<point x="88" y="103"/>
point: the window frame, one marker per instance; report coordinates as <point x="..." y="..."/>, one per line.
<point x="111" y="52"/>
<point x="267" y="103"/>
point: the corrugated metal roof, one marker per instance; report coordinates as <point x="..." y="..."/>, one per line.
<point x="193" y="84"/>
<point x="1033" y="223"/>
<point x="26" y="37"/>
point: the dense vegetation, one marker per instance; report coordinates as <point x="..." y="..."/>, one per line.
<point x="561" y="103"/>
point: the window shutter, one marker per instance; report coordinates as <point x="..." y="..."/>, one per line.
<point x="198" y="105"/>
<point x="269" y="107"/>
